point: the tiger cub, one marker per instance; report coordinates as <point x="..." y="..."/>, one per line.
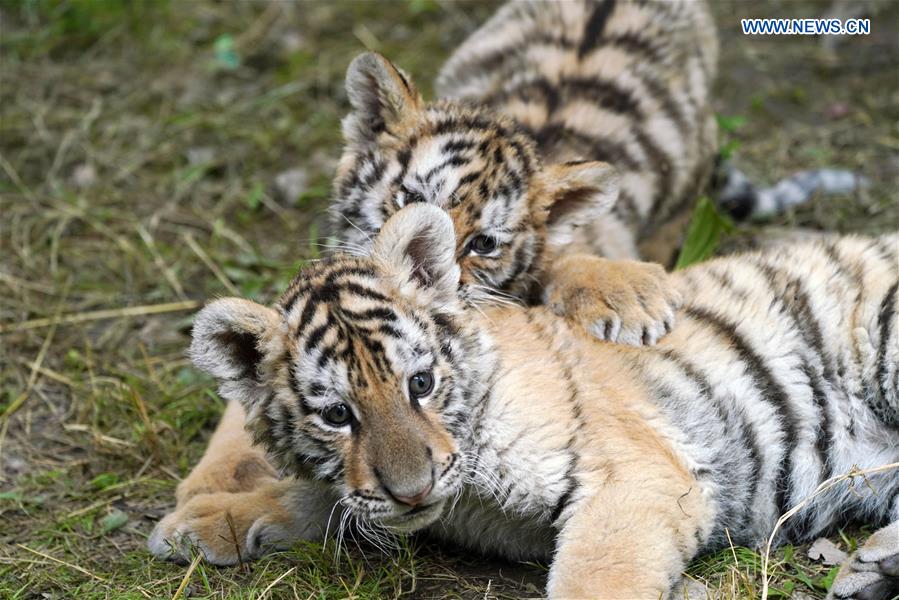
<point x="537" y="104"/>
<point x="382" y="396"/>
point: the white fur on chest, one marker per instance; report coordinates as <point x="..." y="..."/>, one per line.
<point x="523" y="464"/>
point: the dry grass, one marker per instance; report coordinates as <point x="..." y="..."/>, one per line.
<point x="140" y="143"/>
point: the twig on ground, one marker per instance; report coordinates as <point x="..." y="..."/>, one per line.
<point x="186" y="579"/>
<point x="219" y="274"/>
<point x="99" y="315"/>
<point x="64" y="563"/>
<point x="37" y="363"/>
<point x="276" y="582"/>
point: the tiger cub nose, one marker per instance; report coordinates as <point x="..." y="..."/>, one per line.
<point x="417" y="499"/>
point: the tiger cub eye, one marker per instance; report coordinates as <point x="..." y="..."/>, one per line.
<point x="482" y="244"/>
<point x="338" y="414"/>
<point x="421" y="384"/>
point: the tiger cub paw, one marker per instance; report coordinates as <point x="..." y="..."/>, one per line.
<point x="226" y="528"/>
<point x="872" y="573"/>
<point x="621" y="301"/>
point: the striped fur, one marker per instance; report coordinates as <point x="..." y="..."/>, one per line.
<point x="620" y="463"/>
<point x="624" y="82"/>
<point x="539" y="88"/>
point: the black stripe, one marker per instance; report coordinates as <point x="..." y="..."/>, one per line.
<point x="662" y="94"/>
<point x="364" y="292"/>
<point x="457" y="145"/>
<point x="771" y="391"/>
<point x="492" y="62"/>
<point x="884" y="320"/>
<point x="554" y="135"/>
<point x="605" y="94"/>
<point x="747" y="434"/>
<point x="468" y="178"/>
<point x="725" y="281"/>
<point x="381" y="313"/>
<point x="798" y="304"/>
<point x="316" y="335"/>
<point x="595" y="25"/>
<point x="295" y="386"/>
<point x="889" y="254"/>
<point x="468" y="124"/>
<point x="521" y="261"/>
<point x="634" y="43"/>
<point x="455" y="160"/>
<point x="405" y="81"/>
<point x="625" y="208"/>
<point x="660" y="165"/>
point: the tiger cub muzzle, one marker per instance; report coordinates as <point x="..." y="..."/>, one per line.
<point x="403" y="472"/>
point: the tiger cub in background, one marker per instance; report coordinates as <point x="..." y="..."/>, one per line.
<point x="537" y="104"/>
<point x="399" y="407"/>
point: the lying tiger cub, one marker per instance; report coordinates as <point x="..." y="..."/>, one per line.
<point x="376" y="391"/>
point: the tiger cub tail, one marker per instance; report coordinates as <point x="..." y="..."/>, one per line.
<point x="744" y="200"/>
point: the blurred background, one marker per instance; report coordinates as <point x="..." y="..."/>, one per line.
<point x="155" y="154"/>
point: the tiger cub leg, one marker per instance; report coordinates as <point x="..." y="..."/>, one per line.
<point x="622" y="301"/>
<point x="618" y="545"/>
<point x="232" y="507"/>
<point x="231" y="463"/>
<point x="872" y="573"/>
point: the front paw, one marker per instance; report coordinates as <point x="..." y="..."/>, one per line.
<point x="626" y="302"/>
<point x="226" y="528"/>
<point x="872" y="573"/>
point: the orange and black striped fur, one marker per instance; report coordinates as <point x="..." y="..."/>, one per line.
<point x="383" y="397"/>
<point x="626" y="82"/>
<point x="536" y="105"/>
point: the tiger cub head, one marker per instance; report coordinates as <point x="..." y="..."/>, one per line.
<point x="509" y="210"/>
<point x="365" y="374"/>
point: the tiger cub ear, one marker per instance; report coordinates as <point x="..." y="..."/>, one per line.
<point x="381" y="96"/>
<point x="576" y="193"/>
<point x="230" y="339"/>
<point x="418" y="245"/>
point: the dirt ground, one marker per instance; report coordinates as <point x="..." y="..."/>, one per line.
<point x="156" y="154"/>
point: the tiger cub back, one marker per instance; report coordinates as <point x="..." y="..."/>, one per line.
<point x="624" y="82"/>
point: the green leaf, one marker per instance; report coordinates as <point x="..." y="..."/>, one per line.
<point x="254" y="198"/>
<point x="319" y="191"/>
<point x="704" y="233"/>
<point x="418" y="7"/>
<point x="114" y="520"/>
<point x="730" y="124"/>
<point x="104" y="480"/>
<point x="800" y="576"/>
<point x="226" y="56"/>
<point x="827" y="581"/>
<point x="728" y="149"/>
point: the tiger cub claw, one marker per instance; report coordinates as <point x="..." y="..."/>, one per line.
<point x="621" y="301"/>
<point x="227" y="528"/>
<point x="872" y="573"/>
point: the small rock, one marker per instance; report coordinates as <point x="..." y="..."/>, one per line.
<point x="292" y="41"/>
<point x="827" y="552"/>
<point x="202" y="155"/>
<point x="837" y="110"/>
<point x="291" y="184"/>
<point x="14" y="463"/>
<point x="84" y="175"/>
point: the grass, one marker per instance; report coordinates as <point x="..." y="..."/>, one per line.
<point x="140" y="143"/>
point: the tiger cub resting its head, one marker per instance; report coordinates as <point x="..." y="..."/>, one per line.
<point x="379" y="393"/>
<point x="513" y="214"/>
